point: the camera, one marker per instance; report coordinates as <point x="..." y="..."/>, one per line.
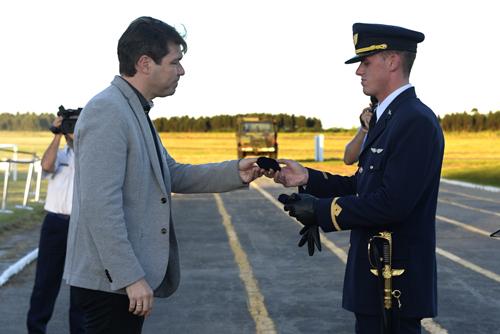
<point x="68" y="123"/>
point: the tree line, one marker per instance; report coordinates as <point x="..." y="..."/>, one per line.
<point x="26" y="122"/>
<point x="456" y="122"/>
<point x="471" y="122"/>
<point x="228" y="123"/>
<point x="221" y="123"/>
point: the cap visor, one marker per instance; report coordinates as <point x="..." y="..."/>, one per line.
<point x="358" y="58"/>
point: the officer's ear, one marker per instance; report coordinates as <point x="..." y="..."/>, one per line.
<point x="394" y="62"/>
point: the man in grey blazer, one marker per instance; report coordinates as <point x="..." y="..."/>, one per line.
<point x="122" y="248"/>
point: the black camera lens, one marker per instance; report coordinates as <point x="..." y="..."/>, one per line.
<point x="68" y="125"/>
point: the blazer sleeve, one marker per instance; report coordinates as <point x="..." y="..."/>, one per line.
<point x="205" y="178"/>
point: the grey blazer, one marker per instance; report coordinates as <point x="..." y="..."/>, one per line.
<point x="121" y="226"/>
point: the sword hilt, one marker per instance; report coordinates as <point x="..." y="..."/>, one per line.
<point x="386" y="269"/>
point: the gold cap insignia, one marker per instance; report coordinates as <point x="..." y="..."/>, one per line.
<point x="371" y="48"/>
<point x="355" y="38"/>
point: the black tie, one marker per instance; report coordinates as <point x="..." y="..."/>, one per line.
<point x="372" y="123"/>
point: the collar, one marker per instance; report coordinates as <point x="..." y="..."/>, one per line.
<point x="67" y="150"/>
<point x="388" y="100"/>
<point x="144" y="103"/>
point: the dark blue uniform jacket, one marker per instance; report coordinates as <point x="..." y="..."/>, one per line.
<point x="395" y="189"/>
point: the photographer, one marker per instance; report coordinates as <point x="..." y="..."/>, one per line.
<point x="58" y="166"/>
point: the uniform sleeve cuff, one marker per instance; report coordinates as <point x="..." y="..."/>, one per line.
<point x="327" y="211"/>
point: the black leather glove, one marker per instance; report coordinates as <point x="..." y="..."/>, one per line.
<point x="303" y="208"/>
<point x="310" y="234"/>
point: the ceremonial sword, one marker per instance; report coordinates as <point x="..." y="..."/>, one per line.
<point x="383" y="269"/>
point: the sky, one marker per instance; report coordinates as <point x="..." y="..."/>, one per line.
<point x="270" y="56"/>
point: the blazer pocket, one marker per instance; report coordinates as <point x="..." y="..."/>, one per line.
<point x="375" y="163"/>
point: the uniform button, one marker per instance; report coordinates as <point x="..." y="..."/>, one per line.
<point x="164" y="200"/>
<point x="371" y="167"/>
<point x="163" y="231"/>
<point x="360" y="170"/>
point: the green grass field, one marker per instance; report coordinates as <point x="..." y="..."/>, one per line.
<point x="471" y="158"/>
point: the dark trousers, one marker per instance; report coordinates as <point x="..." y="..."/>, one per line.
<point x="49" y="272"/>
<point x="368" y="324"/>
<point x="107" y="313"/>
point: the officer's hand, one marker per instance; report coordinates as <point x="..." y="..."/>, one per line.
<point x="292" y="174"/>
<point x="303" y="208"/>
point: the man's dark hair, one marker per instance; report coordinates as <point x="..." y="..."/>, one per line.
<point x="146" y="36"/>
<point x="407" y="59"/>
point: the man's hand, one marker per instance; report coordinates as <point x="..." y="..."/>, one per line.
<point x="248" y="170"/>
<point x="140" y="296"/>
<point x="55" y="128"/>
<point x="365" y="117"/>
<point x="291" y="175"/>
<point x="57" y="122"/>
<point x="50" y="156"/>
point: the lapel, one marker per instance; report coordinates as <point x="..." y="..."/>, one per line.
<point x="384" y="120"/>
<point x="140" y="115"/>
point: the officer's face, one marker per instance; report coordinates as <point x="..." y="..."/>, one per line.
<point x="165" y="76"/>
<point x="374" y="73"/>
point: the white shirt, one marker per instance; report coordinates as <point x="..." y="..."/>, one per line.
<point x="384" y="104"/>
<point x="60" y="190"/>
<point x="388" y="100"/>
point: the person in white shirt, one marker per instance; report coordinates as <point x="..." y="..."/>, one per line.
<point x="57" y="166"/>
<point x="353" y="149"/>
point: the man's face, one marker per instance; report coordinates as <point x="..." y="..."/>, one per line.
<point x="165" y="76"/>
<point x="69" y="136"/>
<point x="374" y="73"/>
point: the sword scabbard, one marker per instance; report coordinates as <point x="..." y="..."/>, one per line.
<point x="387" y="272"/>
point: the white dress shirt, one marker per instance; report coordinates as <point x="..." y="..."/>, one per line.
<point x="60" y="190"/>
<point x="388" y="100"/>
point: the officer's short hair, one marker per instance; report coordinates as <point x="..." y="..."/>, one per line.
<point x="407" y="59"/>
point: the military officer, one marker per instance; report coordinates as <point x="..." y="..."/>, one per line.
<point x="394" y="190"/>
